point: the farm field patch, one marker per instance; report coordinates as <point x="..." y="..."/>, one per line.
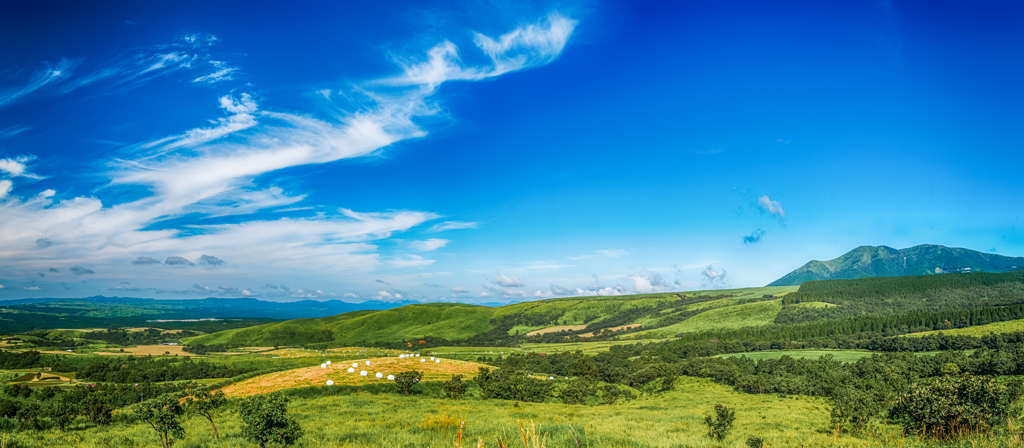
<point x="338" y="372"/>
<point x="149" y="350"/>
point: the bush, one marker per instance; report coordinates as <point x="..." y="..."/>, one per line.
<point x="507" y="384"/>
<point x="755" y="442"/>
<point x="577" y="391"/>
<point x="853" y="410"/>
<point x="455" y="388"/>
<point x="265" y="420"/>
<point x="953" y="405"/>
<point x="483" y="379"/>
<point x="610" y="393"/>
<point x="404" y="381"/>
<point x="721" y="423"/>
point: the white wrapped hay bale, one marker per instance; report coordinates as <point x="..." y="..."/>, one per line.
<point x="423" y="360"/>
<point x="367" y="362"/>
<point x="363" y="373"/>
<point x="380" y="375"/>
<point x="391" y="377"/>
<point x="351" y="370"/>
<point x="323" y="366"/>
<point x="438" y="361"/>
<point x="328" y="363"/>
<point x="330" y="382"/>
<point x="355" y="364"/>
<point x="431" y="358"/>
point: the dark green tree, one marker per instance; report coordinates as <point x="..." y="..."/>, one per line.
<point x="405" y="380"/>
<point x="61" y="411"/>
<point x="455" y="388"/>
<point x="482" y="379"/>
<point x="265" y="420"/>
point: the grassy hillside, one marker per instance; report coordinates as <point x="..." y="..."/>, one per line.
<point x="1010" y="326"/>
<point x="883" y="261"/>
<point x="456" y="321"/>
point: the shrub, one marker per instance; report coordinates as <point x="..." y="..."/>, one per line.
<point x="265" y="420"/>
<point x="404" y="381"/>
<point x="953" y="405"/>
<point x="164" y="416"/>
<point x="61" y="411"/>
<point x="610" y="393"/>
<point x="720" y="424"/>
<point x="577" y="391"/>
<point x="853" y="409"/>
<point x="206" y="404"/>
<point x="96" y="409"/>
<point x="455" y="387"/>
<point x="507" y="384"/>
<point x="755" y="442"/>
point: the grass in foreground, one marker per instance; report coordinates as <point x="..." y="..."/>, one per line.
<point x="674" y="419"/>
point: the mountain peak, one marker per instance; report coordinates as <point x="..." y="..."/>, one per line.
<point x="884" y="261"/>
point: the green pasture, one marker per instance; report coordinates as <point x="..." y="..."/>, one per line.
<point x="754" y="314"/>
<point x="1009" y="326"/>
<point x="838" y="355"/>
<point x="585" y="347"/>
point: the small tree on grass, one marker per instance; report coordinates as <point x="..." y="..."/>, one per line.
<point x="455" y="388"/>
<point x="206" y="404"/>
<point x="720" y="424"/>
<point x="405" y="380"/>
<point x="482" y="379"/>
<point x="265" y="420"/>
<point x="164" y="416"/>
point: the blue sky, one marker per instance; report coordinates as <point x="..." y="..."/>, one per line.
<point x="488" y="152"/>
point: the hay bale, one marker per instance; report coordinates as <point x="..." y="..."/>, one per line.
<point x="330" y="382"/>
<point x="328" y="363"/>
<point x="323" y="366"/>
<point x="391" y="377"/>
<point x="362" y="373"/>
<point x="438" y="361"/>
<point x="355" y="364"/>
<point x="367" y="362"/>
<point x="380" y="375"/>
<point x="351" y="370"/>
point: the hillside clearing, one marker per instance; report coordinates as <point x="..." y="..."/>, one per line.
<point x="556" y="329"/>
<point x="1010" y="326"/>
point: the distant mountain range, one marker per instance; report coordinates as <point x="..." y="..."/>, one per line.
<point x="884" y="261"/>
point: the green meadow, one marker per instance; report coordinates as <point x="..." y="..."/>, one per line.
<point x="365" y="419"/>
<point x="1010" y="326"/>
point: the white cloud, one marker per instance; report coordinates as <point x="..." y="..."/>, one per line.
<point x="15" y="167"/>
<point x="211" y="171"/>
<point x="5" y="188"/>
<point x="39" y="79"/>
<point x="459" y="290"/>
<point x="507" y="281"/>
<point x="452" y="225"/>
<point x="221" y="73"/>
<point x="1" y="286"/>
<point x="428" y="245"/>
<point x="410" y="261"/>
<point x="543" y="294"/>
<point x="484" y="294"/>
<point x="609" y="253"/>
<point x="713" y="279"/>
<point x="771" y="207"/>
<point x="32" y="288"/>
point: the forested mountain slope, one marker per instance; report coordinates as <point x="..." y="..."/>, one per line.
<point x="884" y="261"/>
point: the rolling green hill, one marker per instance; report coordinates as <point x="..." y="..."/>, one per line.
<point x="884" y="261"/>
<point x="456" y="321"/>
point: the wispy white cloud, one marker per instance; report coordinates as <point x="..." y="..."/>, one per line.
<point x="211" y="171"/>
<point x="605" y="253"/>
<point x="11" y="131"/>
<point x="452" y="225"/>
<point x="507" y="281"/>
<point x="222" y="72"/>
<point x="429" y="244"/>
<point x="52" y="74"/>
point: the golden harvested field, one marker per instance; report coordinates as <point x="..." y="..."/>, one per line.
<point x="155" y="350"/>
<point x="556" y="329"/>
<point x="256" y="349"/>
<point x="338" y="372"/>
<point x="343" y="351"/>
